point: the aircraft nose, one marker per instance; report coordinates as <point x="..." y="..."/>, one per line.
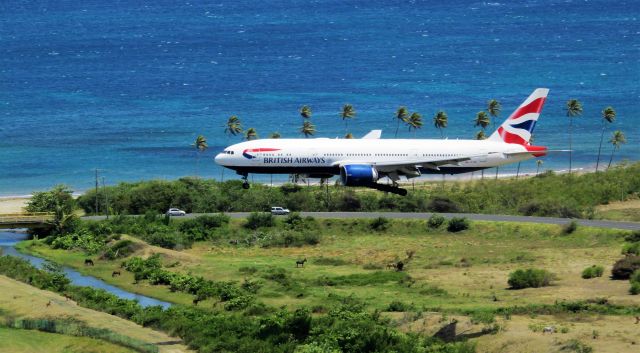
<point x="218" y="159"/>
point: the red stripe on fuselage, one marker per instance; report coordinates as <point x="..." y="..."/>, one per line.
<point x="262" y="150"/>
<point x="534" y="107"/>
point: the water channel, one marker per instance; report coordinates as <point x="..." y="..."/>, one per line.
<point x="8" y="240"/>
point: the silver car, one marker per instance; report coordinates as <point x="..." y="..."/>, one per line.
<point x="176" y="212"/>
<point x="279" y="211"/>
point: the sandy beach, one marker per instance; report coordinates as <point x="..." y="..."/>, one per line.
<point x="13" y="205"/>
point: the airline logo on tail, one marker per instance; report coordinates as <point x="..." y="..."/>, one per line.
<point x="519" y="126"/>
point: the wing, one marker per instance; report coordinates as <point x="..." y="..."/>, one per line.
<point x="409" y="167"/>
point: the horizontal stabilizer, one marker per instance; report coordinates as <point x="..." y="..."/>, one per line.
<point x="372" y="135"/>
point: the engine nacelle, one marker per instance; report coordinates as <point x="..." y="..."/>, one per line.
<point x="358" y="175"/>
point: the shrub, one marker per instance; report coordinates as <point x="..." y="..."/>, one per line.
<point x="435" y="221"/>
<point x="457" y="224"/>
<point x="248" y="269"/>
<point x="631" y="249"/>
<point x="570" y="227"/>
<point x="592" y="272"/>
<point x="483" y="317"/>
<point x="238" y="303"/>
<point x="330" y="261"/>
<point x="635" y="288"/>
<point x="442" y="204"/>
<point x="398" y="306"/>
<point x="624" y="267"/>
<point x="259" y="219"/>
<point x="635" y="277"/>
<point x="202" y="227"/>
<point x="379" y="224"/>
<point x="529" y="278"/>
<point x="120" y="249"/>
<point x="633" y="237"/>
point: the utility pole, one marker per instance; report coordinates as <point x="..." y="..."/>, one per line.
<point x="96" y="208"/>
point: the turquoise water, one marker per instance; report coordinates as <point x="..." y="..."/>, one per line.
<point x="126" y="86"/>
<point x="8" y="240"/>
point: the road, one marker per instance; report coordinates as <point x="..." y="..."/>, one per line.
<point x="471" y="216"/>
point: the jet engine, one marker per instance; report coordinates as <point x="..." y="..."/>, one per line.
<point x="358" y="175"/>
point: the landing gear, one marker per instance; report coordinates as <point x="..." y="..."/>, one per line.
<point x="245" y="181"/>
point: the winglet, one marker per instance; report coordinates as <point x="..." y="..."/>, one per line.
<point x="373" y="135"/>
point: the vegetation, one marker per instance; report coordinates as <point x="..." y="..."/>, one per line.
<point x="23" y="341"/>
<point x="592" y="272"/>
<point x="574" y="109"/>
<point x="625" y="267"/>
<point x="457" y="224"/>
<point x="346" y="326"/>
<point x="72" y="327"/>
<point x="608" y="116"/>
<point x="529" y="278"/>
<point x="545" y="195"/>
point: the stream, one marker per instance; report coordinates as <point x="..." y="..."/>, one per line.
<point x="8" y="240"/>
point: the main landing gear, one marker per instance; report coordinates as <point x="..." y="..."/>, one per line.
<point x="245" y="181"/>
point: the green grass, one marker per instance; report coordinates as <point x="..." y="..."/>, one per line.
<point x="462" y="271"/>
<point x="29" y="341"/>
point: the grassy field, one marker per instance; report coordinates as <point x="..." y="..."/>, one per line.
<point x="620" y="211"/>
<point x="22" y="300"/>
<point x="28" y="341"/>
<point x="448" y="274"/>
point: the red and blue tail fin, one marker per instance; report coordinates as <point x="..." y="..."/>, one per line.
<point x="519" y="126"/>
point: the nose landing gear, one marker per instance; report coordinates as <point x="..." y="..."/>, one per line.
<point x="245" y="181"/>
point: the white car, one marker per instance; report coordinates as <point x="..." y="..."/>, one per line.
<point x="176" y="212"/>
<point x="279" y="211"/>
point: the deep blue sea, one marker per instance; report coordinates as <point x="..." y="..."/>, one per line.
<point x="126" y="86"/>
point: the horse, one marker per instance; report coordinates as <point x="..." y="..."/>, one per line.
<point x="88" y="262"/>
<point x="115" y="273"/>
<point x="300" y="262"/>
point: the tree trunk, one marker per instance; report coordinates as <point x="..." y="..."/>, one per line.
<point x="518" y="171"/>
<point x="497" y="169"/>
<point x="600" y="146"/>
<point x="537" y="169"/>
<point x="570" y="142"/>
<point x="611" y="158"/>
<point x="397" y="128"/>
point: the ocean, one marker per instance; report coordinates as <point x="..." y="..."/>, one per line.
<point x="126" y="86"/>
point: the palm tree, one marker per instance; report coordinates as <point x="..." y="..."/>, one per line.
<point x="608" y="116"/>
<point x="573" y="108"/>
<point x="348" y="135"/>
<point x="347" y="113"/>
<point x="440" y="121"/>
<point x="274" y="135"/>
<point x="233" y="126"/>
<point x="402" y="114"/>
<point x="307" y="128"/>
<point x="201" y="145"/>
<point x="305" y="111"/>
<point x="414" y="122"/>
<point x="539" y="162"/>
<point x="482" y="120"/>
<point x="617" y="139"/>
<point x="493" y="107"/>
<point x="251" y="134"/>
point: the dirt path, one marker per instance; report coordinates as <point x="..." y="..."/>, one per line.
<point x="23" y="300"/>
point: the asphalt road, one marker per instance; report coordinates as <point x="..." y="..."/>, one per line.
<point x="471" y="216"/>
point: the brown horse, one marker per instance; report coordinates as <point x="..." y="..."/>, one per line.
<point x="115" y="273"/>
<point x="88" y="262"/>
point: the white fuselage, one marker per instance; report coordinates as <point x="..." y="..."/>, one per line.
<point x="325" y="156"/>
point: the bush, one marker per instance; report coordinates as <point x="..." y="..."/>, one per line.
<point x="529" y="278"/>
<point x="635" y="288"/>
<point x="633" y="237"/>
<point x="457" y="224"/>
<point x="120" y="249"/>
<point x="624" y="267"/>
<point x="260" y="219"/>
<point x="435" y="221"/>
<point x="592" y="272"/>
<point x="631" y="249"/>
<point x="379" y="224"/>
<point x="442" y="205"/>
<point x="202" y="227"/>
<point x="570" y="227"/>
<point x="398" y="306"/>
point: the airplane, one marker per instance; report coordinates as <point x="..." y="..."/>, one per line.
<point x="362" y="162"/>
